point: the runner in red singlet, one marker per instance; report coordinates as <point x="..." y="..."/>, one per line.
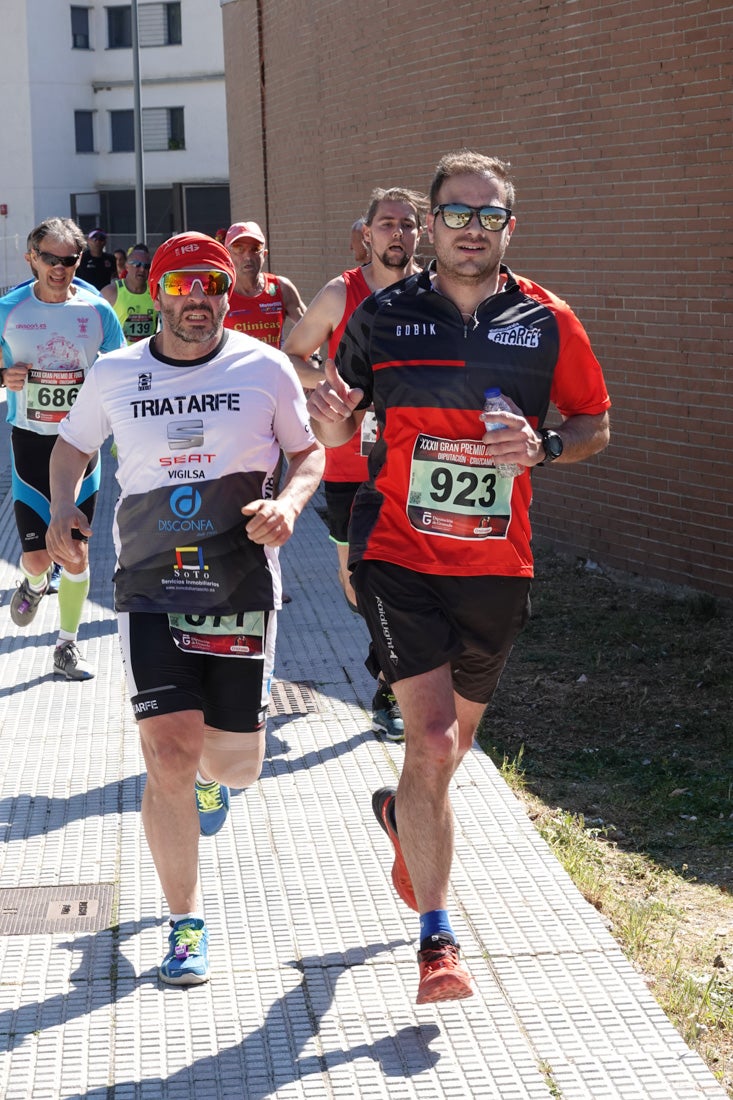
<point x="260" y="303"/>
<point x="391" y="230"/>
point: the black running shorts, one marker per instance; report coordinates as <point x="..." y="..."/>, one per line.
<point x="232" y="692"/>
<point x="419" y="622"/>
<point x="339" y="498"/>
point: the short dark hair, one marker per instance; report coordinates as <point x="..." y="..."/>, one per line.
<point x="415" y="199"/>
<point x="466" y="163"/>
<point x="63" y="228"/>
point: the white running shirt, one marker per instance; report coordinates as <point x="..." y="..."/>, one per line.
<point x="195" y="442"/>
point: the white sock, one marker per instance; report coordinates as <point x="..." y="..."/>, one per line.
<point x="175" y="917"/>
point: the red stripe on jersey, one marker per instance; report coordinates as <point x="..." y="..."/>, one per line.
<point x="419" y="363"/>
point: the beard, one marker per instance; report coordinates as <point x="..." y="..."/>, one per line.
<point x="400" y="260"/>
<point x="464" y="269"/>
<point x="173" y="321"/>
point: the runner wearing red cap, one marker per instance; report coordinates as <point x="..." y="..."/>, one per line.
<point x="260" y="302"/>
<point x="199" y="415"/>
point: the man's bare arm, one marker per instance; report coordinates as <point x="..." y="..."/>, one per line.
<point x="109" y="293"/>
<point x="66" y="472"/>
<point x="314" y="329"/>
<point x="583" y="436"/>
<point x="292" y="301"/>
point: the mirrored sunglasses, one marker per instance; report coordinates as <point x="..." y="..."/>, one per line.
<point x="138" y="263"/>
<point x="212" y="283"/>
<point x="457" y="215"/>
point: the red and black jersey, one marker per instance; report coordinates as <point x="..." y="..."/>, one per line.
<point x="434" y="502"/>
<point x="348" y="462"/>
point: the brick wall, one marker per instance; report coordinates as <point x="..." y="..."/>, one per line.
<point x="617" y="120"/>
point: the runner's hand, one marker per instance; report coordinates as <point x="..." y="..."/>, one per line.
<point x="14" y="376"/>
<point x="59" y="543"/>
<point x="333" y="400"/>
<point x="272" y="522"/>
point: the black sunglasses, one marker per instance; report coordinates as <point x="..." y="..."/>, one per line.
<point x="457" y="215"/>
<point x="137" y="263"/>
<point x="53" y="261"/>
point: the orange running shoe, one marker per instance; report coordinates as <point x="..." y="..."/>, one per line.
<point x="443" y="977"/>
<point x="383" y="806"/>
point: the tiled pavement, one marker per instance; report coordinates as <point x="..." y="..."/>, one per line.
<point x="313" y="956"/>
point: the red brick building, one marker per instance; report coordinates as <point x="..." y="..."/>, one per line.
<point x="617" y="120"/>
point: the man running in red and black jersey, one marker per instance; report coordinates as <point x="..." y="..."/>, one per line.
<point x="260" y="303"/>
<point x="439" y="540"/>
<point x="391" y="229"/>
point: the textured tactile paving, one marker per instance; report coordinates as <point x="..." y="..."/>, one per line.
<point x="313" y="956"/>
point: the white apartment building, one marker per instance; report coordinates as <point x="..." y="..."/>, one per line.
<point x="67" y="120"/>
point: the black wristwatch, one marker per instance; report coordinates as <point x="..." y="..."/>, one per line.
<point x="552" y="443"/>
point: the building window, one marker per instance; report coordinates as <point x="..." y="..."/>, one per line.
<point x="80" y="28"/>
<point x="163" y="129"/>
<point x="122" y="124"/>
<point x="84" y="131"/>
<point x="119" y="28"/>
<point x="158" y="25"/>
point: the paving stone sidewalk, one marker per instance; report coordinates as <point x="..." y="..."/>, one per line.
<point x="313" y="956"/>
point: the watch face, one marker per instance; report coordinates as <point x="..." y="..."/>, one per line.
<point x="552" y="443"/>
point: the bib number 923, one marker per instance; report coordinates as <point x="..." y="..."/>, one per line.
<point x="466" y="489"/>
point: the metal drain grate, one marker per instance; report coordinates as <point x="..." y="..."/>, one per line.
<point x="47" y="909"/>
<point x="293" y="697"/>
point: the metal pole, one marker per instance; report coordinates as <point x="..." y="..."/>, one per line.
<point x="140" y="230"/>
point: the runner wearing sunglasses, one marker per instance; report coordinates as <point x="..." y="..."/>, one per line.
<point x="199" y="415"/>
<point x="51" y="331"/>
<point x="260" y="302"/>
<point x="440" y="544"/>
<point x="130" y="297"/>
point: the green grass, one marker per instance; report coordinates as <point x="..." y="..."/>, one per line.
<point x="614" y="721"/>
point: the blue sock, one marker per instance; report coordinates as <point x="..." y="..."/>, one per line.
<point x="435" y="923"/>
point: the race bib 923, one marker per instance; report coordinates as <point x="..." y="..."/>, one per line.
<point x="455" y="490"/>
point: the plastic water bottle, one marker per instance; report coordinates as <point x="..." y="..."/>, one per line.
<point x="494" y="402"/>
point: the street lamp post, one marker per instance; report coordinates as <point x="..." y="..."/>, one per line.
<point x="140" y="227"/>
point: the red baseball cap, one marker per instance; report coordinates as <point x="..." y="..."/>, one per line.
<point x="251" y="230"/>
<point x="188" y="250"/>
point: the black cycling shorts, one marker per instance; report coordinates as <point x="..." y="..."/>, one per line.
<point x="232" y="692"/>
<point x="31" y="455"/>
<point x="419" y="621"/>
<point x="339" y="498"/>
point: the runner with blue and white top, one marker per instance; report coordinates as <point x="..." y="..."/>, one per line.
<point x="51" y="331"/>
